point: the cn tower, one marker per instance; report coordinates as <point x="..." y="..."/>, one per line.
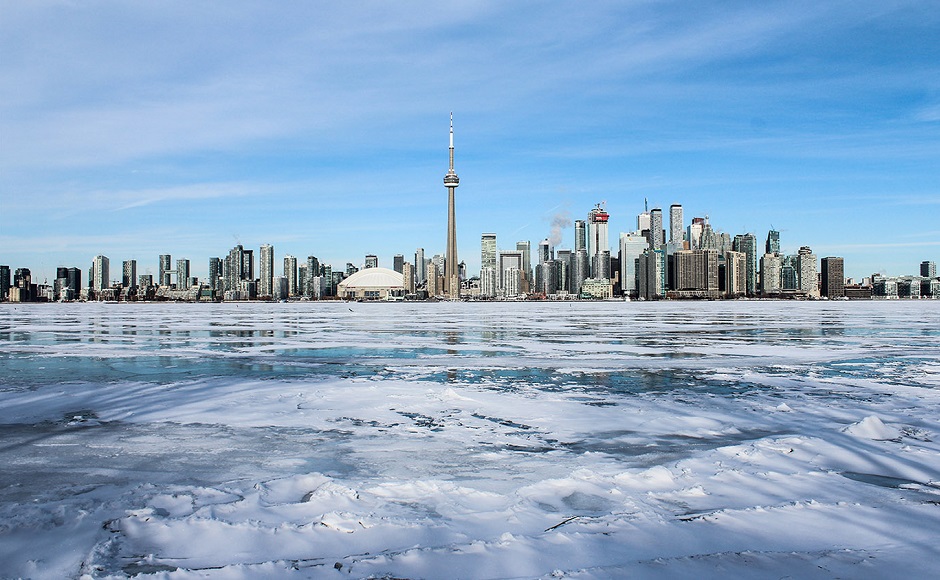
<point x="451" y="181"/>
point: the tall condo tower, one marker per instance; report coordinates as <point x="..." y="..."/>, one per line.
<point x="675" y="224"/>
<point x="451" y="181"/>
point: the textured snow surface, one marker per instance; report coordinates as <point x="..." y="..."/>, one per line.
<point x="680" y="440"/>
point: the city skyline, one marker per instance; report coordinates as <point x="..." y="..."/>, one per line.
<point x="186" y="131"/>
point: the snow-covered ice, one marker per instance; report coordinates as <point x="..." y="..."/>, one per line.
<point x="543" y="440"/>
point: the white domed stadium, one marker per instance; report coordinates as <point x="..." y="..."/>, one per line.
<point x="372" y="284"/>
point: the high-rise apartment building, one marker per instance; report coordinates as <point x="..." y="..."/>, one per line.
<point x="234" y="268"/>
<point x="266" y="271"/>
<point x="833" y="277"/>
<point x="434" y="285"/>
<point x="164" y="270"/>
<point x="102" y="273"/>
<point x="696" y="272"/>
<point x="129" y="279"/>
<point x="215" y="274"/>
<point x="770" y="274"/>
<point x="735" y="274"/>
<point x="807" y="277"/>
<point x="928" y="269"/>
<point x="421" y="267"/>
<point x="676" y="227"/>
<point x="488" y="283"/>
<point x="182" y="274"/>
<point x="408" y="277"/>
<point x="302" y="278"/>
<point x="290" y="272"/>
<point x="747" y="244"/>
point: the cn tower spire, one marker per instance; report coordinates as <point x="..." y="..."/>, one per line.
<point x="451" y="181"/>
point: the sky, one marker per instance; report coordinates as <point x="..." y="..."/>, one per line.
<point x="134" y="129"/>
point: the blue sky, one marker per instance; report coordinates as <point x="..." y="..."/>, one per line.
<point x="134" y="129"/>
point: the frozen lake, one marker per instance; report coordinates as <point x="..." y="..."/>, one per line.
<point x="508" y="440"/>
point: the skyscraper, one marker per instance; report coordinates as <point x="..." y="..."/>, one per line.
<point x="580" y="270"/>
<point x="408" y="277"/>
<point x="234" y="268"/>
<point x="773" y="242"/>
<point x="564" y="259"/>
<point x="451" y="181"/>
<point x="833" y="277"/>
<point x="770" y="274"/>
<point x="509" y="260"/>
<point x="597" y="235"/>
<point x="735" y="274"/>
<point x="545" y="251"/>
<point x="651" y="274"/>
<point x="421" y="267"/>
<point x="4" y="282"/>
<point x="488" y="251"/>
<point x="266" y="270"/>
<point x="182" y="274"/>
<point x="675" y="224"/>
<point x="632" y="247"/>
<point x="696" y="228"/>
<point x="164" y="270"/>
<point x="248" y="265"/>
<point x="313" y="271"/>
<point x="580" y="235"/>
<point x="75" y="281"/>
<point x="215" y="274"/>
<point x="807" y="278"/>
<point x="290" y="272"/>
<point x="656" y="228"/>
<point x="372" y="261"/>
<point x="643" y="223"/>
<point x="102" y="274"/>
<point x="747" y="244"/>
<point x="129" y="280"/>
<point x="398" y="263"/>
<point x="526" y="267"/>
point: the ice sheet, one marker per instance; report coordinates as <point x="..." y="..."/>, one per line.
<point x="697" y="440"/>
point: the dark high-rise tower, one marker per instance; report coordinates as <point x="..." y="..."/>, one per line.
<point x="773" y="242"/>
<point x="451" y="181"/>
<point x="833" y="277"/>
